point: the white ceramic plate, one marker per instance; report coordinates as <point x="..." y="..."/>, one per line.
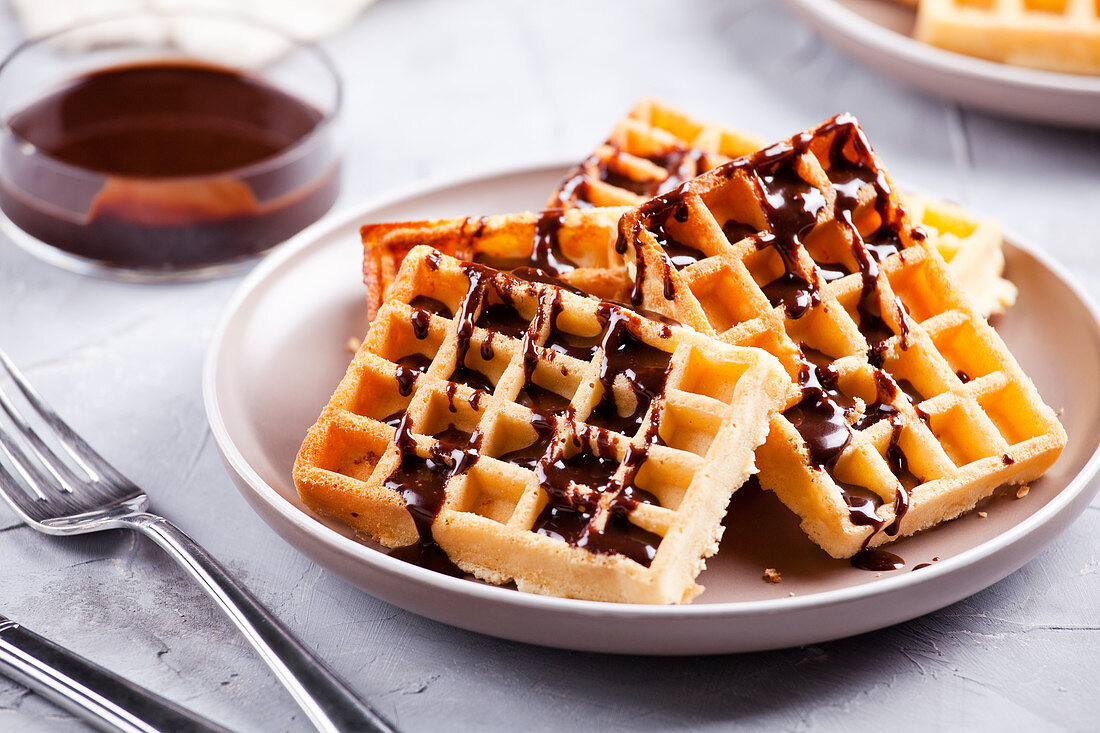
<point x="877" y="32"/>
<point x="279" y="351"/>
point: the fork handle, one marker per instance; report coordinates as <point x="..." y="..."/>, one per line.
<point x="102" y="698"/>
<point x="327" y="701"/>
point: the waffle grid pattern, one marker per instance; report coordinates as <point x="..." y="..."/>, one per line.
<point x="656" y="147"/>
<point x="696" y="438"/>
<point x="575" y="246"/>
<point x="938" y="413"/>
<point x="1057" y="35"/>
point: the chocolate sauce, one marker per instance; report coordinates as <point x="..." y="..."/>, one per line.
<point x="539" y="399"/>
<point x="504" y="318"/>
<point x="735" y="231"/>
<point x="644" y="367"/>
<point x="487" y="352"/>
<point x="393" y="420"/>
<point x="886" y="392"/>
<point x="431" y="305"/>
<point x="547" y="255"/>
<point x="569" y="513"/>
<point x="592" y="470"/>
<point x="792" y="292"/>
<point x="421" y="320"/>
<point x="863" y="512"/>
<point x="529" y="456"/>
<point x="452" y="435"/>
<point x="535" y="275"/>
<point x="876" y="560"/>
<point x="421" y="483"/>
<point x="472" y="378"/>
<point x="910" y="391"/>
<point x="406" y="378"/>
<point x="415" y="361"/>
<point x="829" y="271"/>
<point x="821" y="415"/>
<point x="874" y="329"/>
<point x="682" y="164"/>
<point x="612" y="177"/>
<point x="681" y="255"/>
<point x="577" y="347"/>
<point x="152" y="166"/>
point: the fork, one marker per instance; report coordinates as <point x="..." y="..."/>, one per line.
<point x="76" y="491"/>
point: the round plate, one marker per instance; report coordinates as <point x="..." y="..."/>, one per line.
<point x="877" y="33"/>
<point x="280" y="349"/>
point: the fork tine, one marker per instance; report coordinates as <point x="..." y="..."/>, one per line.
<point x="27" y="470"/>
<point x="94" y="464"/>
<point x="18" y="498"/>
<point x="61" y="472"/>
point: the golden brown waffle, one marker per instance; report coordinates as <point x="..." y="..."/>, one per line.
<point x="911" y="407"/>
<point x="1057" y="35"/>
<point x="655" y="148"/>
<point x="650" y="152"/>
<point x="972" y="249"/>
<point x="575" y="248"/>
<point x="577" y="448"/>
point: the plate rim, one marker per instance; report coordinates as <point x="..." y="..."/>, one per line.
<point x="843" y="20"/>
<point x="347" y="216"/>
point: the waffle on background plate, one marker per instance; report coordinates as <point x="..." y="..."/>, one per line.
<point x="656" y="147"/>
<point x="529" y="434"/>
<point x="911" y="408"/>
<point x="900" y="406"/>
<point x="1055" y="35"/>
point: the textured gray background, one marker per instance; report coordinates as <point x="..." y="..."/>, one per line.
<point x="438" y="87"/>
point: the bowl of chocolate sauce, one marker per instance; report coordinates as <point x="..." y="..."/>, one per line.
<point x="183" y="150"/>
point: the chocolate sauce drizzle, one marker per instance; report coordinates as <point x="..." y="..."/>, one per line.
<point x="421" y="483"/>
<point x="546" y="260"/>
<point x="644" y="367"/>
<point x="431" y="305"/>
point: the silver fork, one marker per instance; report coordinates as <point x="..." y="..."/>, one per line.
<point x="76" y="491"/>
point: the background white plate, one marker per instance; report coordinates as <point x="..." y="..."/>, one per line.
<point x="877" y="33"/>
<point x="279" y="351"/>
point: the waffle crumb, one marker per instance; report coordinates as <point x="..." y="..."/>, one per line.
<point x="983" y="515"/>
<point x="771" y="575"/>
<point x="353" y="344"/>
<point x="1023" y="491"/>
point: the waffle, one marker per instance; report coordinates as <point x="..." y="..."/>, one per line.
<point x="655" y="148"/>
<point x="971" y="247"/>
<point x="519" y="464"/>
<point x="574" y="248"/>
<point x="1056" y="35"/>
<point x="911" y="407"/>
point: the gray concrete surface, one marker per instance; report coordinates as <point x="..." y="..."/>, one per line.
<point x="435" y="88"/>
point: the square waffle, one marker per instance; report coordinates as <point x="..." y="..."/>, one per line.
<point x="1056" y="35"/>
<point x="911" y="409"/>
<point x="575" y="248"/>
<point x="655" y="148"/>
<point x="529" y="434"/>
